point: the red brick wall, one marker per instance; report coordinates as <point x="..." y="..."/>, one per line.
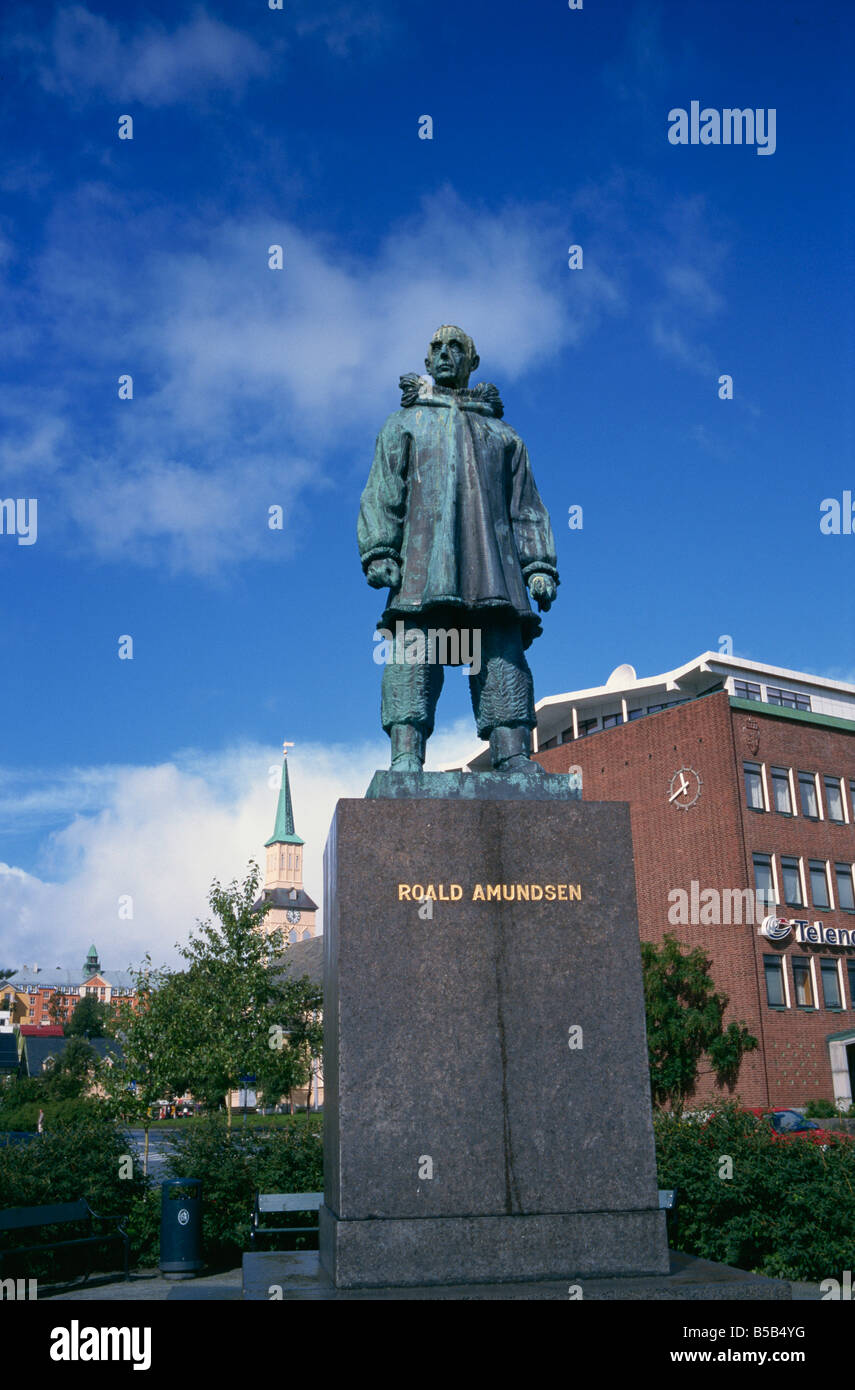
<point x="712" y="842"/>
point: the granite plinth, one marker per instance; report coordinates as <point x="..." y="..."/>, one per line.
<point x="487" y="1099"/>
<point x="478" y="1249"/>
<point x="689" y="1279"/>
<point x="532" y="781"/>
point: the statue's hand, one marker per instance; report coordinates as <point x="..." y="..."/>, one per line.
<point x="543" y="590"/>
<point x="383" y="574"/>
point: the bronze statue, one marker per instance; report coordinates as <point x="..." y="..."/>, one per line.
<point x="452" y="523"/>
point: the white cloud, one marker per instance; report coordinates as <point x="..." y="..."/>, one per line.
<point x="162" y="834"/>
<point x="85" y="54"/>
<point x="342" y="25"/>
<point x="247" y="380"/>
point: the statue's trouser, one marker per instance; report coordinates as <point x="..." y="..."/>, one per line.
<point x="502" y="690"/>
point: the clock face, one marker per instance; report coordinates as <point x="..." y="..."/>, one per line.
<point x="684" y="788"/>
<point x="293" y="916"/>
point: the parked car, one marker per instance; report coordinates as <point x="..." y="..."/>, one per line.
<point x="790" y="1124"/>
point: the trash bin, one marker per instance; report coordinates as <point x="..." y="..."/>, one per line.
<point x="181" y="1228"/>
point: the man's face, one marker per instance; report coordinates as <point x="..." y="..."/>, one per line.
<point x="448" y="361"/>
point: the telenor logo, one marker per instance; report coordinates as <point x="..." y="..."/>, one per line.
<point x="776" y="928"/>
<point x="76" y="1343"/>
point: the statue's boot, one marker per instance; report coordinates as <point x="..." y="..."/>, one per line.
<point x="510" y="749"/>
<point x="408" y="748"/>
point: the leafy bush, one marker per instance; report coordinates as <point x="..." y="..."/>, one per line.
<point x="788" y="1211"/>
<point x="56" y="1112"/>
<point x="73" y="1159"/>
<point x="234" y="1164"/>
<point x="822" y="1110"/>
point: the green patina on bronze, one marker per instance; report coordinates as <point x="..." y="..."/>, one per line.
<point x="451" y="522"/>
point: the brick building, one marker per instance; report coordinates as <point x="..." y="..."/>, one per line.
<point x="741" y="783"/>
<point x="44" y="997"/>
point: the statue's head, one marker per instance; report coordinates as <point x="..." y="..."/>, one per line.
<point x="451" y="357"/>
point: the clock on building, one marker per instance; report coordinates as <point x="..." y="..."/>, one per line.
<point x="293" y="916"/>
<point x="684" y="788"/>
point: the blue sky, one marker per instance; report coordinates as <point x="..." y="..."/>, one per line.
<point x="255" y="387"/>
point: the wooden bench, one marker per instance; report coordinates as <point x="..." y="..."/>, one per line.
<point x="62" y="1214"/>
<point x="266" y="1202"/>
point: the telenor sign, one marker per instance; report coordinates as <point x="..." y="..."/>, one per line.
<point x="808" y="933"/>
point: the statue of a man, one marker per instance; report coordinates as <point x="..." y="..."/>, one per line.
<point x="452" y="523"/>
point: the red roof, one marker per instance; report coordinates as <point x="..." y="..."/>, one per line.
<point x="42" y="1030"/>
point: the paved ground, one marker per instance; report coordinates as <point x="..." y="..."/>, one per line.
<point x="159" y="1146"/>
<point x="149" y="1285"/>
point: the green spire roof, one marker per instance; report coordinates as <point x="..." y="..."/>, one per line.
<point x="92" y="965"/>
<point x="283" y="830"/>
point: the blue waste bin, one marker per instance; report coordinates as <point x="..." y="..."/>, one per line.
<point x="181" y="1228"/>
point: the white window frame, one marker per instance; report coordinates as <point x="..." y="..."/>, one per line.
<point x="811" y="960"/>
<point x="836" y="962"/>
<point x="827" y="885"/>
<point x="852" y="873"/>
<point x="783" y="959"/>
<point x="832" y="777"/>
<point x="804" y="772"/>
<point x="764" y="793"/>
<point x="789" y="771"/>
<point x="801" y="871"/>
<point x="776" y="886"/>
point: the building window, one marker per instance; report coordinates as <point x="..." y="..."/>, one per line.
<point x="850" y="967"/>
<point x="807" y="793"/>
<point x="852" y="797"/>
<point x="654" y="709"/>
<point x="834" y="798"/>
<point x="746" y="690"/>
<point x="764" y="881"/>
<point x="845" y="891"/>
<point x="635" y="713"/>
<point x="754" y="797"/>
<point x="586" y="727"/>
<point x="819" y="883"/>
<point x="566" y="735"/>
<point x="803" y="982"/>
<point x="773" y="968"/>
<point x="781" y="791"/>
<point x="550" y="743"/>
<point x="788" y="699"/>
<point x="609" y="720"/>
<point x="830" y="984"/>
<point x="793" y="896"/>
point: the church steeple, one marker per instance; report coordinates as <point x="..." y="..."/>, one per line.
<point x="292" y="911"/>
<point x="92" y="964"/>
<point x="283" y="830"/>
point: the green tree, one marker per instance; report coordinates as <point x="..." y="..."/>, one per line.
<point x="89" y="1018"/>
<point x="73" y="1072"/>
<point x="685" y="1020"/>
<point x="233" y="1014"/>
<point x="142" y="1065"/>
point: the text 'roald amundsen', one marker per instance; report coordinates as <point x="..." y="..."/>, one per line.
<point x="491" y="892"/>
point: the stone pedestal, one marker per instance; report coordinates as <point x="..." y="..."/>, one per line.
<point x="487" y="1100"/>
